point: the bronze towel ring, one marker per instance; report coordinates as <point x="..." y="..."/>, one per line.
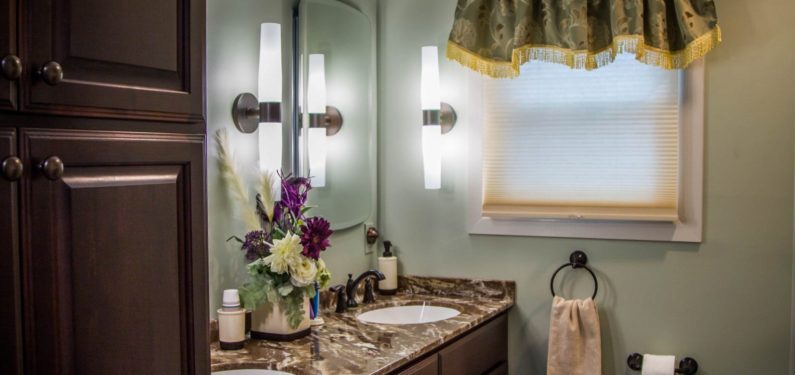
<point x="577" y="259"/>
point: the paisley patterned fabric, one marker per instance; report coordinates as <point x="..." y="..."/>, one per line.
<point x="495" y="37"/>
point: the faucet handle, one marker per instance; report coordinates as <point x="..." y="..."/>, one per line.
<point x="342" y="302"/>
<point x="369" y="297"/>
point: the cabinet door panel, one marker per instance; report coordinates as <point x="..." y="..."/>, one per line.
<point x="10" y="313"/>
<point x="428" y="366"/>
<point x="8" y="46"/>
<point x="121" y="58"/>
<point x="115" y="256"/>
<point x="477" y="352"/>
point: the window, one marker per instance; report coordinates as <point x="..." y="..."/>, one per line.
<point x="609" y="153"/>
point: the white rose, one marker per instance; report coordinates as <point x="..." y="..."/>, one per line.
<point x="304" y="273"/>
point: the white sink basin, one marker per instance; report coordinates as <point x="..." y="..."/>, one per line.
<point x="250" y="372"/>
<point x="408" y="314"/>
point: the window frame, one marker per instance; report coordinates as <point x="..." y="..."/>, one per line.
<point x="691" y="168"/>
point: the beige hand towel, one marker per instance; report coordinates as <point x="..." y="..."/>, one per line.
<point x="575" y="340"/>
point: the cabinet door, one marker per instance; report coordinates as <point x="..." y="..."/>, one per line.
<point x="114" y="254"/>
<point x="10" y="313"/>
<point x="428" y="366"/>
<point x="8" y="46"/>
<point x="138" y="59"/>
<point x="478" y="352"/>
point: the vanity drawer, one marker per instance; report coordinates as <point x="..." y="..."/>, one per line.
<point x="501" y="369"/>
<point x="479" y="352"/>
<point x="429" y="366"/>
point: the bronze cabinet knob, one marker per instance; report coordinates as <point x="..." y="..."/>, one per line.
<point x="51" y="73"/>
<point x="52" y="168"/>
<point x="11" y="67"/>
<point x="12" y="168"/>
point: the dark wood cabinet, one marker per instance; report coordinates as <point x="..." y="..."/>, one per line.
<point x="10" y="313"/>
<point x="482" y="351"/>
<point x="114" y="258"/>
<point x="428" y="366"/>
<point x="8" y="48"/>
<point x="103" y="254"/>
<point x="478" y="352"/>
<point x="501" y="369"/>
<point x="129" y="59"/>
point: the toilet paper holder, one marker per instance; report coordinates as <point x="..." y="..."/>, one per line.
<point x="687" y="366"/>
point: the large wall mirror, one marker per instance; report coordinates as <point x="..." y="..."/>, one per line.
<point x="336" y="96"/>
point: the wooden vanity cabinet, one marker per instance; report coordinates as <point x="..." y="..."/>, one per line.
<point x="483" y="351"/>
<point x="103" y="253"/>
<point x="8" y="49"/>
<point x="10" y="308"/>
<point x="125" y="59"/>
<point x="428" y="366"/>
<point x="114" y="257"/>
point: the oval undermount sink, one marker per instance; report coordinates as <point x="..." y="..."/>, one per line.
<point x="250" y="372"/>
<point x="411" y="314"/>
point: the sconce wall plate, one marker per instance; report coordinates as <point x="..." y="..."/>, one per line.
<point x="248" y="112"/>
<point x="446" y="117"/>
<point x="331" y="120"/>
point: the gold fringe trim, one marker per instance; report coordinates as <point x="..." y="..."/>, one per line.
<point x="589" y="60"/>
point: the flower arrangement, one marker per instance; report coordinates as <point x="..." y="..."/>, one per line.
<point x="283" y="244"/>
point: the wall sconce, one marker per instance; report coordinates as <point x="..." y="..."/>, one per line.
<point x="324" y="120"/>
<point x="437" y="118"/>
<point x="249" y="111"/>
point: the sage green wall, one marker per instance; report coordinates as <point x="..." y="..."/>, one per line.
<point x="232" y="58"/>
<point x="725" y="302"/>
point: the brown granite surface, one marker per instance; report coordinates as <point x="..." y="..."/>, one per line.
<point x="344" y="345"/>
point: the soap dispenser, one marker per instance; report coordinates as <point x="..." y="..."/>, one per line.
<point x="387" y="264"/>
<point x="231" y="322"/>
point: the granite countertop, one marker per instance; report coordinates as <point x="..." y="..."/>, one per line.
<point x="344" y="345"/>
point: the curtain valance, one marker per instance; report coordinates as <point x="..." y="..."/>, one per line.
<point x="495" y="37"/>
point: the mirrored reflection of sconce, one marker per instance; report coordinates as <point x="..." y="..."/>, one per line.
<point x="251" y="113"/>
<point x="324" y="120"/>
<point x="437" y="118"/>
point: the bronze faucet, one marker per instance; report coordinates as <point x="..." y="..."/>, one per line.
<point x="352" y="285"/>
<point x="346" y="295"/>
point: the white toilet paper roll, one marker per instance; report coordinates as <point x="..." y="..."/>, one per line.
<point x="658" y="364"/>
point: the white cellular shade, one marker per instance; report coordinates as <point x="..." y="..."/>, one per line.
<point x="432" y="155"/>
<point x="317" y="156"/>
<point x="316" y="84"/>
<point x="429" y="91"/>
<point x="602" y="144"/>
<point x="270" y="63"/>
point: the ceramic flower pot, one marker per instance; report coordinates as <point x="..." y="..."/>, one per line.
<point x="270" y="322"/>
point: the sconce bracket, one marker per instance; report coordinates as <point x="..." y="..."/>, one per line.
<point x="447" y="118"/>
<point x="332" y="120"/>
<point x="248" y="112"/>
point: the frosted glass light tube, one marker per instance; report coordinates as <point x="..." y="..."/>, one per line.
<point x="270" y="91"/>
<point x="429" y="92"/>
<point x="432" y="155"/>
<point x="316" y="84"/>
<point x="270" y="63"/>
<point x="317" y="156"/>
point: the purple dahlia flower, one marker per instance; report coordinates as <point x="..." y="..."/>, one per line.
<point x="315" y="238"/>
